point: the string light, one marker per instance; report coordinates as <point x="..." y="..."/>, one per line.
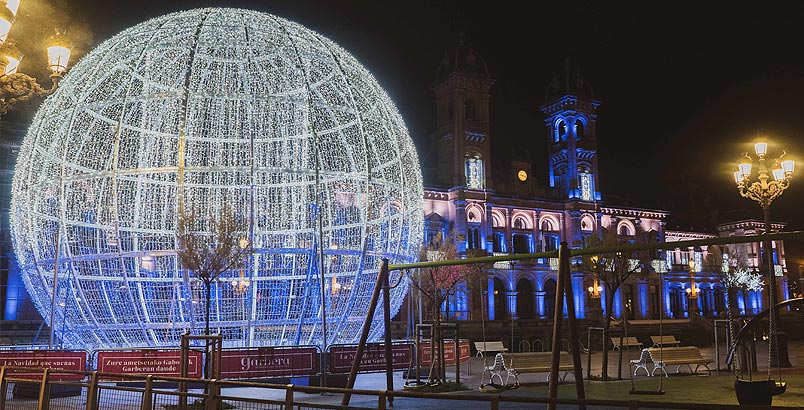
<point x="206" y="107"/>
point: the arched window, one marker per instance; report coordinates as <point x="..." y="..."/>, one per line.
<point x="547" y="225"/>
<point x="578" y="129"/>
<point x="500" y="297"/>
<point x="586" y="225"/>
<point x="475" y="174"/>
<point x="625" y="230"/>
<point x="524" y="299"/>
<point x="519" y="223"/>
<point x="550" y="298"/>
<point x="472" y="217"/>
<point x="470" y="110"/>
<point x="561" y="130"/>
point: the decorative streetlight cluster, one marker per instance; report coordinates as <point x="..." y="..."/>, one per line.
<point x="763" y="190"/>
<point x="15" y="86"/>
<point x="694" y="289"/>
<point x="595" y="289"/>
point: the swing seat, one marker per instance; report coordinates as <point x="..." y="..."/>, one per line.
<point x="414" y="385"/>
<point x="647" y="392"/>
<point x="757" y="392"/>
<point x="779" y="388"/>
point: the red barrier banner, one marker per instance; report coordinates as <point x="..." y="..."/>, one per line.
<point x="149" y="362"/>
<point x="45" y="359"/>
<point x="341" y="357"/>
<point x="269" y="362"/>
<point x="449" y="351"/>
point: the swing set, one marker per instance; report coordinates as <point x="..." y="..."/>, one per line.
<point x="563" y="287"/>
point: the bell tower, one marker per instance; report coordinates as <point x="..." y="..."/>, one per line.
<point x="462" y="92"/>
<point x="571" y="119"/>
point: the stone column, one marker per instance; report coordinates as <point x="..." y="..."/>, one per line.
<point x="574" y="234"/>
<point x="539" y="295"/>
<point x="459" y="224"/>
<point x="643" y="299"/>
<point x="511" y="296"/>
<point x="509" y="238"/>
<point x="488" y="229"/>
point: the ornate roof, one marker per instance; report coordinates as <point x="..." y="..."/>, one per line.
<point x="462" y="59"/>
<point x="567" y="82"/>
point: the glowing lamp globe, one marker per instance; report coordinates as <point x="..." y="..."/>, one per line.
<point x="215" y="108"/>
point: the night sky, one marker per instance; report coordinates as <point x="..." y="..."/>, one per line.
<point x="685" y="86"/>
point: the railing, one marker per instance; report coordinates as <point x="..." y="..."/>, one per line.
<point x="97" y="391"/>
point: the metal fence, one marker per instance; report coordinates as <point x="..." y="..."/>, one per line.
<point x="95" y="391"/>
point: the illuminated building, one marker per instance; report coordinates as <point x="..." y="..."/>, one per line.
<point x="512" y="214"/>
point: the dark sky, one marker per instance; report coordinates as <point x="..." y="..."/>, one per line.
<point x="685" y="86"/>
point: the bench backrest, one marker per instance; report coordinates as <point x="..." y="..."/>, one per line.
<point x="536" y="359"/>
<point x="627" y="341"/>
<point x="664" y="340"/>
<point x="675" y="353"/>
<point x="645" y="356"/>
<point x="494" y="346"/>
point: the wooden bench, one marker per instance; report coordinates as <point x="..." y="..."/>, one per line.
<point x="664" y="341"/>
<point x="680" y="356"/>
<point x="493" y="346"/>
<point x="629" y="341"/>
<point x="537" y="362"/>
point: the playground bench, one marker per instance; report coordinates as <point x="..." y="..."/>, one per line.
<point x="680" y="356"/>
<point x="537" y="362"/>
<point x="664" y="341"/>
<point x="494" y="346"/>
<point x="629" y="341"/>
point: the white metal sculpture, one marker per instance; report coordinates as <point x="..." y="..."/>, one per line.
<point x="214" y="106"/>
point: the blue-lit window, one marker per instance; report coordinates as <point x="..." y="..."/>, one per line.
<point x="474" y="171"/>
<point x="499" y="242"/>
<point x="473" y="237"/>
<point x="561" y="130"/>
<point x="522" y="242"/>
<point x="587" y="191"/>
<point x="470" y="110"/>
<point x="550" y="242"/>
<point x="578" y="129"/>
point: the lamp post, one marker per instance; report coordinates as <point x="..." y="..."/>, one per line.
<point x="594" y="292"/>
<point x="692" y="291"/>
<point x="764" y="190"/>
<point x="15" y="86"/>
<point x="242" y="287"/>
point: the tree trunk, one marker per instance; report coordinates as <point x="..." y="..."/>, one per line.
<point x="208" y="286"/>
<point x="441" y="369"/>
<point x="604" y="372"/>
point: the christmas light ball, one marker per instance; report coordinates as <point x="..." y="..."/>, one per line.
<point x="215" y="108"/>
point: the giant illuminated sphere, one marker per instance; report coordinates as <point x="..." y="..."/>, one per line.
<point x="215" y="106"/>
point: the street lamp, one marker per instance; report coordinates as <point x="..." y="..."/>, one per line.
<point x="15" y="86"/>
<point x="595" y="289"/>
<point x="764" y="190"/>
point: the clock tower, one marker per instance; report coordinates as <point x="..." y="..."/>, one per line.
<point x="462" y="91"/>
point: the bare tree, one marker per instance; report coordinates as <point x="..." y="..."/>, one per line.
<point x="439" y="284"/>
<point x="209" y="244"/>
<point x="735" y="275"/>
<point x="612" y="271"/>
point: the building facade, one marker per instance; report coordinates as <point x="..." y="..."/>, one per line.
<point x="511" y="214"/>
